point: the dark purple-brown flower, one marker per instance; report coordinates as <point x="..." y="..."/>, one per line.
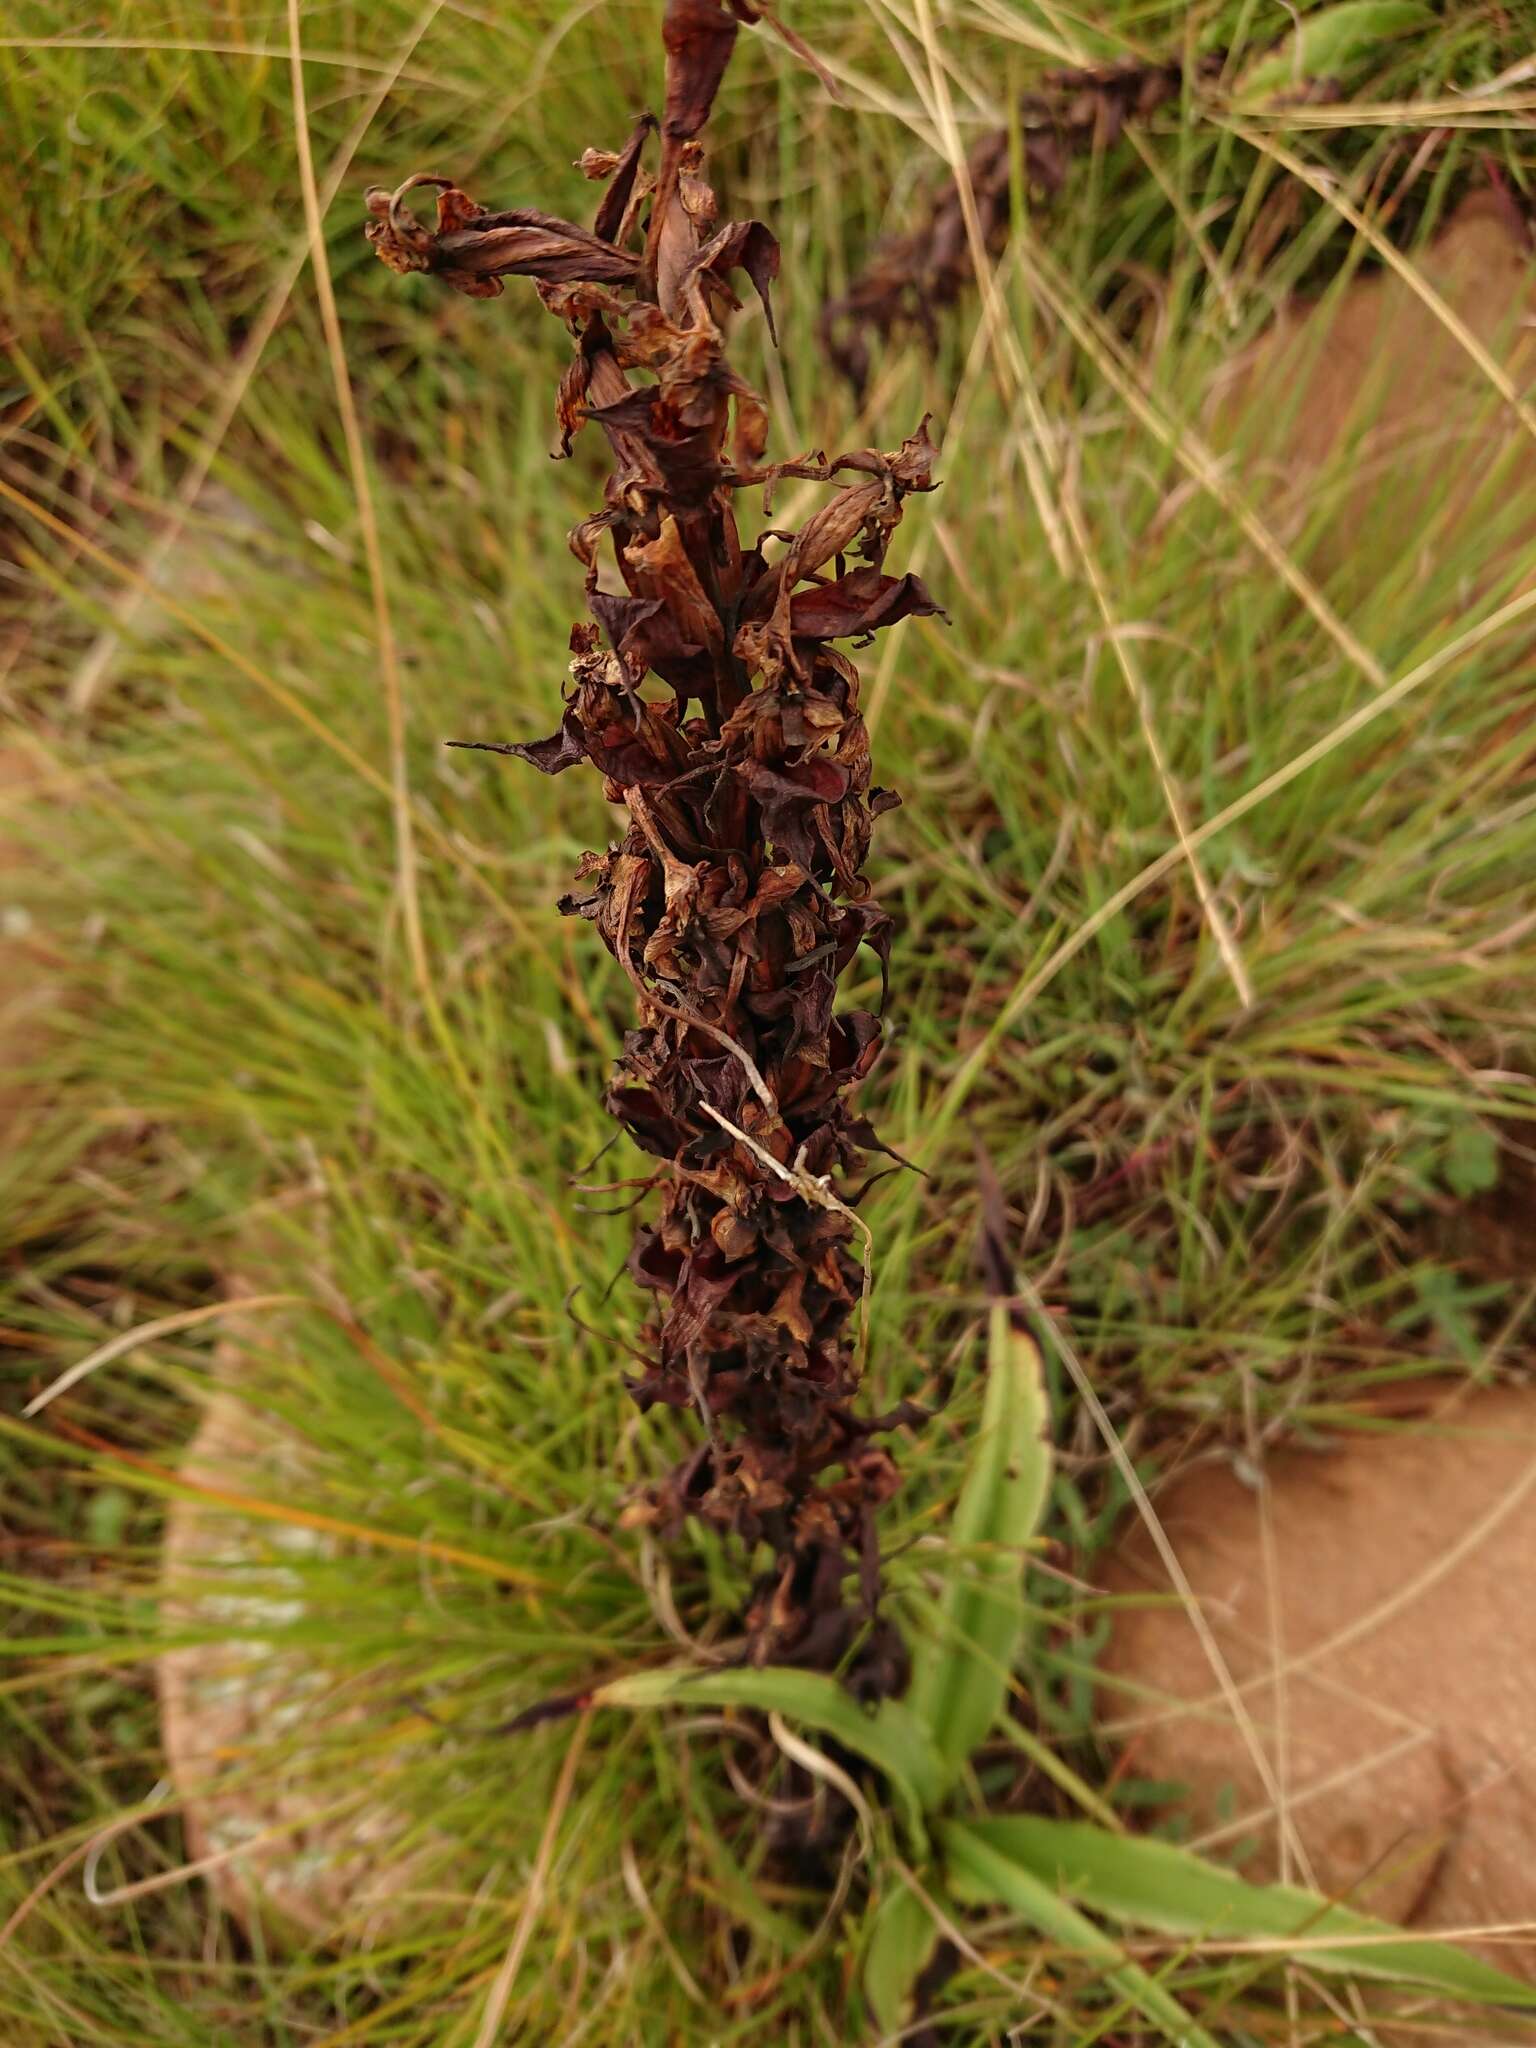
<point x="710" y="690"/>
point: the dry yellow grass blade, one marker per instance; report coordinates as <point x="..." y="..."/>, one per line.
<point x="406" y="882"/>
<point x="95" y="669"/>
<point x="1327" y="189"/>
<point x="1123" y="374"/>
<point x="150" y="1333"/>
<point x="1030" y="986"/>
<point x="1229" y="1690"/>
<point x="199" y="46"/>
<point x="445" y="843"/>
<point x="286" y="1513"/>
<point x="533" y="1899"/>
<point x="1135" y="683"/>
<point x="1038" y="446"/>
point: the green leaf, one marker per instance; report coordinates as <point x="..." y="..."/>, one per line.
<point x="981" y="1874"/>
<point x="1143" y="1883"/>
<point x="960" y="1673"/>
<point x="903" y="1936"/>
<point x="107" y="1516"/>
<point x="1450" y="1305"/>
<point x="890" y="1738"/>
<point x="1329" y="43"/>
<point x="1471" y="1161"/>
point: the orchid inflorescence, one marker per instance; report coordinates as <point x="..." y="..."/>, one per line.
<point x="736" y="898"/>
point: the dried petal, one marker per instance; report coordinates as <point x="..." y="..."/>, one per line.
<point x="699" y="37"/>
<point x="528" y="244"/>
<point x="623" y="169"/>
<point x="745" y="245"/>
<point x="562" y="750"/>
<point x="858" y="603"/>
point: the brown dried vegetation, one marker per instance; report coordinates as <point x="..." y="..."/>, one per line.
<point x="736" y="899"/>
<point x="912" y="277"/>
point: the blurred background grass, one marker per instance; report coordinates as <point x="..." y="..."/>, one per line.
<point x="1245" y="1178"/>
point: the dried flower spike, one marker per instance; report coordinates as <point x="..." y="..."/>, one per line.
<point x="736" y="898"/>
<point x="909" y="278"/>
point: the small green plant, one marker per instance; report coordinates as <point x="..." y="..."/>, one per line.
<point x="941" y="1853"/>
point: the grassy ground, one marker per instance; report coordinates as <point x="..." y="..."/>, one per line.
<point x="1225" y="1126"/>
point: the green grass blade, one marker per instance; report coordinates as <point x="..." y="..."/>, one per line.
<point x="1159" y="1885"/>
<point x="982" y="1874"/>
<point x="891" y="1738"/>
<point x="1330" y="43"/>
<point x="960" y="1674"/>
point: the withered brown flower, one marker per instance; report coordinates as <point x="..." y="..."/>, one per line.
<point x="736" y="898"/>
<point x="910" y="278"/>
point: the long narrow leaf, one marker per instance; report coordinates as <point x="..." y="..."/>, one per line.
<point x="960" y="1674"/>
<point x="1143" y="1883"/>
<point x="902" y="1938"/>
<point x="984" y="1875"/>
<point x="891" y="1737"/>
